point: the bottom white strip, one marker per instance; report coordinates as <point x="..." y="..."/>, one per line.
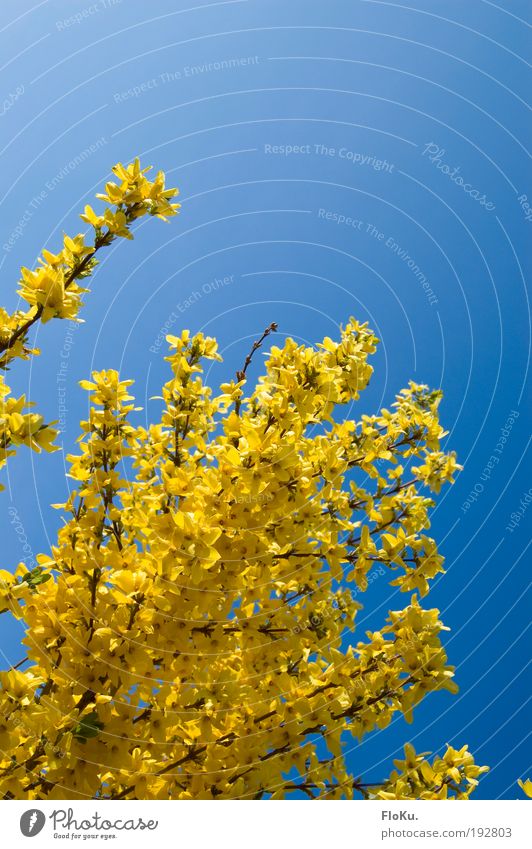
<point x="266" y="825"/>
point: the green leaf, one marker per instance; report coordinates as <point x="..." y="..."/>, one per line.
<point x="36" y="577"/>
<point x="88" y="727"/>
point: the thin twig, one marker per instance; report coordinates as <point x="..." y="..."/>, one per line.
<point x="241" y="375"/>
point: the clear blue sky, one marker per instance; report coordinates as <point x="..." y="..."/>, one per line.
<point x="410" y="121"/>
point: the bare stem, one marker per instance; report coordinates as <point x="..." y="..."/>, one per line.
<point x="241" y="375"/>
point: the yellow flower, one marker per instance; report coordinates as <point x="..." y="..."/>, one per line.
<point x="526" y="787"/>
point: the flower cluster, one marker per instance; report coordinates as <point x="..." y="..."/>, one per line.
<point x="453" y="776"/>
<point x="190" y="633"/>
<point x="18" y="426"/>
<point x="53" y="289"/>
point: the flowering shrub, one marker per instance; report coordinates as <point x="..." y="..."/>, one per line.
<point x="190" y="633"/>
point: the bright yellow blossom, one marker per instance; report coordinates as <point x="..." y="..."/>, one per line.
<point x="526" y="787"/>
<point x="191" y="632"/>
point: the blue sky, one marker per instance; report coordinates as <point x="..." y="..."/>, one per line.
<point x="354" y="157"/>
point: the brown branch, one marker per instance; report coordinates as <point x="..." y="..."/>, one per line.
<point x="241" y="375"/>
<point x="309" y="785"/>
<point x="355" y="504"/>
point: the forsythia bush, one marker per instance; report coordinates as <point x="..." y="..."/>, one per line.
<point x="189" y="636"/>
